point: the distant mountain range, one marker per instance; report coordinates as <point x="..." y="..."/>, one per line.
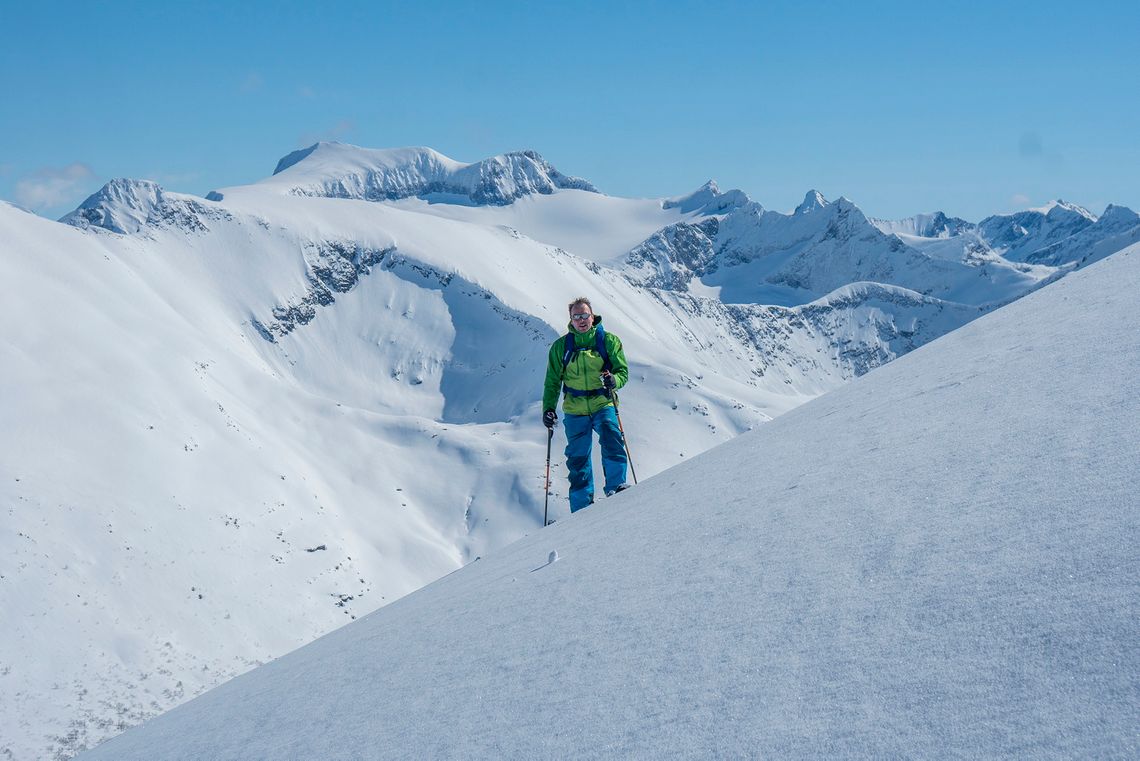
<point x="248" y="418"/>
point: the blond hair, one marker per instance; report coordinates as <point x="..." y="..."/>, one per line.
<point x="577" y="301"/>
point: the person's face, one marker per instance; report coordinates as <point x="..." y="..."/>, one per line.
<point x="582" y="318"/>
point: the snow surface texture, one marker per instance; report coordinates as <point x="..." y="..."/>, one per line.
<point x="220" y="414"/>
<point x="937" y="560"/>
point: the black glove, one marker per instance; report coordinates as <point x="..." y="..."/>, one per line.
<point x="549" y="418"/>
<point x="609" y="382"/>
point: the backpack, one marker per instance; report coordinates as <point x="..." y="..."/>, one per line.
<point x="571" y="347"/>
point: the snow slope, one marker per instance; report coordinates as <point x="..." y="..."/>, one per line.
<point x="938" y="559"/>
<point x="588" y="225"/>
<point x="175" y="512"/>
<point x="222" y="420"/>
<point x="228" y="417"/>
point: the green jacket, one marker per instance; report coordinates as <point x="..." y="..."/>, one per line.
<point x="583" y="373"/>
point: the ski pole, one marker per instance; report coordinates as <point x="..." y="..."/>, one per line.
<point x="546" y="508"/>
<point x="624" y="440"/>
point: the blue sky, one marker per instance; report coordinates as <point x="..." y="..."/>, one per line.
<point x="902" y="107"/>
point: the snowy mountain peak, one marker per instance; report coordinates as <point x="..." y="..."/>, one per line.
<point x="708" y="199"/>
<point x="1117" y="228"/>
<point x="331" y="158"/>
<point x="131" y="206"/>
<point x="709" y="188"/>
<point x="121" y="206"/>
<point x="299" y="155"/>
<point x="340" y="170"/>
<point x="1061" y="209"/>
<point x="844" y="208"/>
<point x="934" y="225"/>
<point x="812" y="200"/>
<point x="294" y="157"/>
<point x="1020" y="235"/>
<point x="1114" y="214"/>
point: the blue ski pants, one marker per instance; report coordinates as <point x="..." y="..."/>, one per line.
<point x="579" y="442"/>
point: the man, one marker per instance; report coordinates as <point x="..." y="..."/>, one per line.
<point x="586" y="366"/>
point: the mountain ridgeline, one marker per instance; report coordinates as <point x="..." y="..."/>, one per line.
<point x="334" y="170"/>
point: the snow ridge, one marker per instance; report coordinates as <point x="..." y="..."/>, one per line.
<point x="758" y="256"/>
<point x="674" y="256"/>
<point x="337" y="170"/>
<point x="813" y="201"/>
<point x="935" y="225"/>
<point x="121" y="206"/>
<point x="1017" y="236"/>
<point x="128" y="207"/>
<point x="1117" y="228"/>
<point x="332" y="267"/>
<point x="708" y="199"/>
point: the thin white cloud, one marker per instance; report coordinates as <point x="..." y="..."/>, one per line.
<point x="306" y="92"/>
<point x="50" y="187"/>
<point x="1019" y="201"/>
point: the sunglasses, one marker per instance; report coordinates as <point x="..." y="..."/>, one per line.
<point x="580" y="316"/>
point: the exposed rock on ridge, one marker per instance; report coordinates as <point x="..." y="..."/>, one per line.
<point x="129" y="206"/>
<point x="335" y="170"/>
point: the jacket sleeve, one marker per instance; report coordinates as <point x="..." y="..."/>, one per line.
<point x="552" y="388"/>
<point x="619" y="367"/>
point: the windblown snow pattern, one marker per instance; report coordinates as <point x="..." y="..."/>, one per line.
<point x="938" y="559"/>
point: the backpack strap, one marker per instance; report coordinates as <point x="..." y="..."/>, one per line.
<point x="569" y="349"/>
<point x="600" y="338"/>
